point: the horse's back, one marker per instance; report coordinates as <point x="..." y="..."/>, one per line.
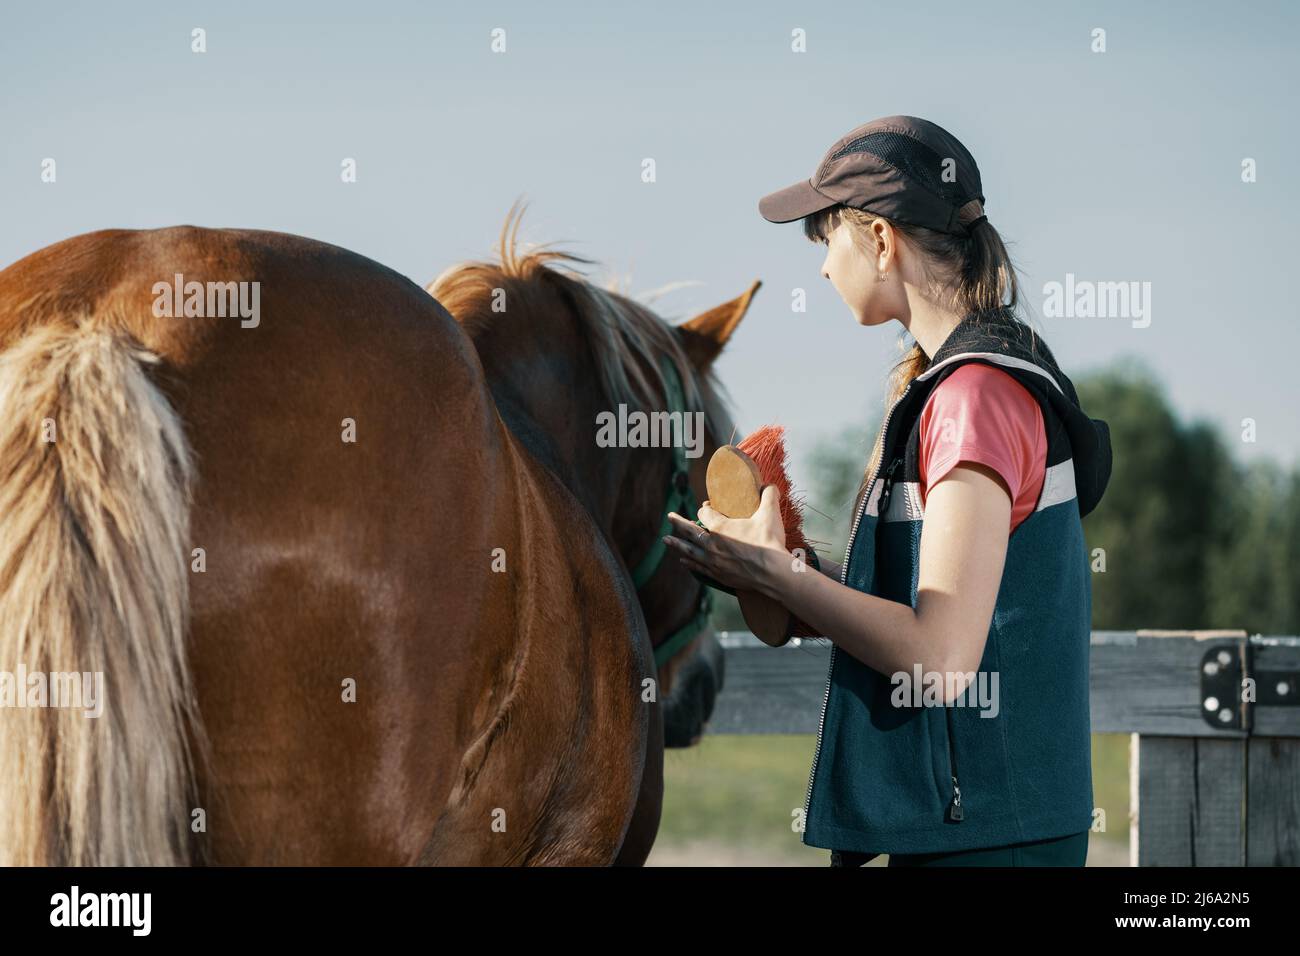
<point x="343" y="444"/>
<point x="306" y="288"/>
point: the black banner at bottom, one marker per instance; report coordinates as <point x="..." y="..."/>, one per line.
<point x="257" y="905"/>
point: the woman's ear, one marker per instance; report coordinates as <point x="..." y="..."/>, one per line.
<point x="889" y="243"/>
<point x="703" y="337"/>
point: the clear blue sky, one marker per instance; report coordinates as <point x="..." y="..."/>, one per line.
<point x="1116" y="166"/>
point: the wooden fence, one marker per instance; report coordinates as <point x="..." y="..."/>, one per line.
<point x="1215" y="780"/>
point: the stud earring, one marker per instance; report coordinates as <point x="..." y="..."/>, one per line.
<point x="881" y="276"/>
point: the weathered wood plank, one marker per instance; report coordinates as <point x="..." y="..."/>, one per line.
<point x="1190" y="794"/>
<point x="1273" y="802"/>
<point x="1141" y="682"/>
<point x="1148" y="682"/>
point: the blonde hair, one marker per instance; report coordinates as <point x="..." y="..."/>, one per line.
<point x="963" y="273"/>
<point x="94" y="534"/>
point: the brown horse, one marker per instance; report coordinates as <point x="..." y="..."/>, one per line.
<point x="352" y="599"/>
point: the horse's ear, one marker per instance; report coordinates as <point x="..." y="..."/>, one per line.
<point x="704" y="336"/>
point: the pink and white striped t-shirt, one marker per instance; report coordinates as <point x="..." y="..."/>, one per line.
<point x="982" y="414"/>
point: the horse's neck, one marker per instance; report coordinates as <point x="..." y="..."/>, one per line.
<point x="533" y="436"/>
<point x="556" y="426"/>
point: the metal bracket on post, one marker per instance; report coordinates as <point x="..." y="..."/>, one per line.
<point x="1224" y="669"/>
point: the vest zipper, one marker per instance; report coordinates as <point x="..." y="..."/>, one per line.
<point x="844" y="577"/>
<point x="887" y="485"/>
<point x="955" y="813"/>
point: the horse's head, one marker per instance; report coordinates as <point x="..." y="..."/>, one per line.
<point x="624" y="407"/>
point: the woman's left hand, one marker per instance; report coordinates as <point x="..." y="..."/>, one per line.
<point x="737" y="552"/>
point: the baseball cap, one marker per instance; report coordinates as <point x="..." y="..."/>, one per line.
<point x="901" y="167"/>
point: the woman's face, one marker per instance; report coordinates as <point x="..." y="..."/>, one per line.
<point x="855" y="274"/>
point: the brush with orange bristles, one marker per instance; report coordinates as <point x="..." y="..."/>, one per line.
<point x="736" y="476"/>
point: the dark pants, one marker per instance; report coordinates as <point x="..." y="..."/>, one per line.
<point x="1060" y="851"/>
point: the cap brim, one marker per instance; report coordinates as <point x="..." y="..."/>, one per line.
<point x="793" y="202"/>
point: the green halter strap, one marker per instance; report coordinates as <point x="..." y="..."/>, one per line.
<point x="681" y="499"/>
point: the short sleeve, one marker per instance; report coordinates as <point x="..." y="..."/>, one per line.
<point x="982" y="414"/>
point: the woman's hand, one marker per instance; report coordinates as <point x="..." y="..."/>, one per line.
<point x="740" y="553"/>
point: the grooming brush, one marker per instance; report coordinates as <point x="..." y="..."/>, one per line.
<point x="736" y="476"/>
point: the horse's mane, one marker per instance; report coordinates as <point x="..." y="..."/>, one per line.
<point x="626" y="338"/>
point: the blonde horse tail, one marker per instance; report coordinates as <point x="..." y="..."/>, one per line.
<point x="98" y="725"/>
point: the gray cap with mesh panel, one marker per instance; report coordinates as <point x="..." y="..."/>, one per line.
<point x="900" y="167"/>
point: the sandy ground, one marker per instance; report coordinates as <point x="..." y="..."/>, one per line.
<point x="1100" y="853"/>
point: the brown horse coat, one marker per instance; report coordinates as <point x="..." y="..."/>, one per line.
<point x="497" y="715"/>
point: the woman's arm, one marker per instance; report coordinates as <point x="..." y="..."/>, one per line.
<point x="963" y="549"/>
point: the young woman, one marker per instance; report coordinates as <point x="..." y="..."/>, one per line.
<point x="955" y="729"/>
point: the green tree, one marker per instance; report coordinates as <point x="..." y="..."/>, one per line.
<point x="1162" y="517"/>
<point x="1252" y="582"/>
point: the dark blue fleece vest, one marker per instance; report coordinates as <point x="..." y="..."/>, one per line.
<point x="912" y="777"/>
